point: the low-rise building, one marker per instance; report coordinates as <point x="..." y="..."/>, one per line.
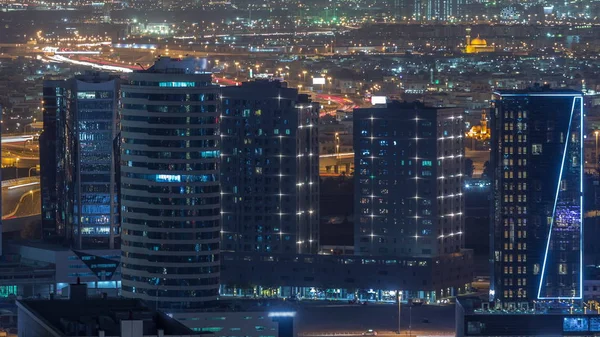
<point x="81" y="315"/>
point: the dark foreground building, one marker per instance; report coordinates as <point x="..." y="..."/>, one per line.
<point x="536" y="222"/>
<point x="83" y="316"/>
<point x="475" y="319"/>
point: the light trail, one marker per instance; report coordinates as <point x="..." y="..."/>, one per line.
<point x="58" y="58"/>
<point x="16" y="139"/>
<point x="24" y="185"/>
<point x="345" y="154"/>
<point x="83" y="52"/>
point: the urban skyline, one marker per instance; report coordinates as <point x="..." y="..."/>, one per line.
<point x="276" y="169"/>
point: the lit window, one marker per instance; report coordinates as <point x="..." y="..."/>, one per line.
<point x="176" y="84"/>
<point x="562" y="268"/>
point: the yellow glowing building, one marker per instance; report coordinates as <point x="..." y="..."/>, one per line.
<point x="481" y="131"/>
<point x="477" y="45"/>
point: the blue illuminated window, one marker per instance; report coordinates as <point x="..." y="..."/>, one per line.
<point x="168" y="178"/>
<point x="426" y="163"/>
<point x="176" y="84"/>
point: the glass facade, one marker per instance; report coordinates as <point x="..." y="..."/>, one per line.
<point x="96" y="204"/>
<point x="408" y="180"/>
<point x="78" y="161"/>
<point x="537" y="211"/>
<point x="270" y="169"/>
<point x="170" y="186"/>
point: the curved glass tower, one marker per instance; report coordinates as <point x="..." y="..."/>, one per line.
<point x="169" y="186"/>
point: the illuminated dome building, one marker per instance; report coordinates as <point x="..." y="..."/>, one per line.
<point x="481" y="131"/>
<point x="477" y="45"/>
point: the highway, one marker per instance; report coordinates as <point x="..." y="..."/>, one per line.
<point x="342" y="103"/>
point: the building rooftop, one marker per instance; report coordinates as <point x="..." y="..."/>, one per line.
<point x="404" y="105"/>
<point x="187" y="65"/>
<point x="475" y="306"/>
<point x="84" y="316"/>
<point x="538" y="90"/>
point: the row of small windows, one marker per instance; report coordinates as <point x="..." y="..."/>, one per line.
<point x="171" y="84"/>
<point x="167" y="201"/>
<point x="198" y="121"/>
<point x="519" y="245"/>
<point x="511" y="198"/>
<point x="174" y="154"/>
<point x="521" y="293"/>
<point x="179" y="108"/>
<point x="182" y="144"/>
<point x="173" y="178"/>
<point x="511" y="175"/>
<point x="170" y="97"/>
<point x="171" y="259"/>
<point x="519" y="138"/>
<point x="520" y="281"/>
<point x="513" y="114"/>
<point x="520" y="258"/>
<point x="510" y="150"/>
<point x="166" y="224"/>
<point x="184" y="132"/>
<point x="210" y="166"/>
<point x="510" y="162"/>
<point x="163" y="247"/>
<point x="173" y="213"/>
<point x="508" y="270"/>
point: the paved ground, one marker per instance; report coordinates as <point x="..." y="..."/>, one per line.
<point x="324" y="319"/>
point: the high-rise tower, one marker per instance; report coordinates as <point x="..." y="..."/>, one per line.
<point x="409" y="162"/>
<point x="170" y="185"/>
<point x="270" y="169"/>
<point x="536" y="223"/>
<point x="78" y="161"/>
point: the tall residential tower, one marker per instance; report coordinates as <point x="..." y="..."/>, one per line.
<point x="170" y="185"/>
<point x="536" y="224"/>
<point x="270" y="169"/>
<point x="408" y="180"/>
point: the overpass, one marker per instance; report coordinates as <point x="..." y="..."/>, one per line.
<point x="336" y="164"/>
<point x="21" y="202"/>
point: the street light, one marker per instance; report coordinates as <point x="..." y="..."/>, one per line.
<point x="304" y="75"/>
<point x="399" y="296"/>
<point x="596" y="152"/>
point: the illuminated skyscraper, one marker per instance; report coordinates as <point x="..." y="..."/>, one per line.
<point x="270" y="169"/>
<point x="537" y="154"/>
<point x="78" y="161"/>
<point x="427" y="10"/>
<point x="170" y="185"/>
<point x="409" y="162"/>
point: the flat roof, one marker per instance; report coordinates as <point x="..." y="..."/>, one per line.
<point x="539" y="91"/>
<point x="99" y="314"/>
